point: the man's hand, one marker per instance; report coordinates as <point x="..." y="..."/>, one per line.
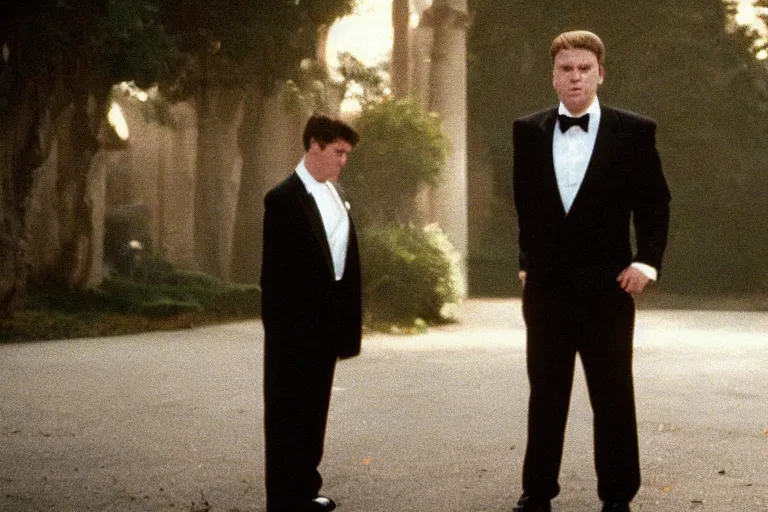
<point x="632" y="280"/>
<point x="521" y="276"/>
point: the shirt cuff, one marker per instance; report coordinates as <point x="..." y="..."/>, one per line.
<point x="650" y="272"/>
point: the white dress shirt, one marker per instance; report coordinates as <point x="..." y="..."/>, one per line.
<point x="334" y="216"/>
<point x="571" y="152"/>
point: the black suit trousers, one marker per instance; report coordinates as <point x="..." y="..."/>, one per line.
<point x="599" y="328"/>
<point x="297" y="394"/>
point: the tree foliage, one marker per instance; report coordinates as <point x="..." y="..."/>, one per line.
<point x="410" y="272"/>
<point x="81" y="45"/>
<point x="401" y="149"/>
<point x="56" y="54"/>
<point x="361" y="83"/>
<point x="757" y="30"/>
<point x="235" y="43"/>
<point x="671" y="60"/>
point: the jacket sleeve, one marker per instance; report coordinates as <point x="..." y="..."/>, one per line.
<point x="650" y="200"/>
<point x="277" y="253"/>
<point x="520" y="169"/>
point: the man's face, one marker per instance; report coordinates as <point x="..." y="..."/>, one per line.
<point x="330" y="160"/>
<point x="575" y="77"/>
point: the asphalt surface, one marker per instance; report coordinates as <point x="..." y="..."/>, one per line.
<point x="435" y="422"/>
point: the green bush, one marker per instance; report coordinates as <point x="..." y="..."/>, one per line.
<point x="410" y="275"/>
<point x="401" y="150"/>
<point x="164" y="307"/>
<point x="182" y="292"/>
<point x="155" y="296"/>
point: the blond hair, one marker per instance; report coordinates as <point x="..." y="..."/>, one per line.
<point x="580" y="40"/>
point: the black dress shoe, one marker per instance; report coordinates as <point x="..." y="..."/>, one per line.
<point x="616" y="506"/>
<point x="531" y="504"/>
<point x="320" y="504"/>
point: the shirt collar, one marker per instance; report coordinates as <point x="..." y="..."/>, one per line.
<point x="309" y="181"/>
<point x="594" y="109"/>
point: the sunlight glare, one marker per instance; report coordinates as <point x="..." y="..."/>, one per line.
<point x="745" y="12"/>
<point x="366" y="34"/>
<point x="117" y="121"/>
<point x="132" y="90"/>
<point x="748" y="15"/>
<point x="414" y="20"/>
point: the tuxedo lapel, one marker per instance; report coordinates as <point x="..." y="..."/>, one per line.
<point x="309" y="207"/>
<point x="600" y="159"/>
<point x="547" y="128"/>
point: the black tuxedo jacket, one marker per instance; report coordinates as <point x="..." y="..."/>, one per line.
<point x="591" y="244"/>
<point x="305" y="310"/>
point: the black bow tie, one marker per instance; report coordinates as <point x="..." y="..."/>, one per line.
<point x="568" y="121"/>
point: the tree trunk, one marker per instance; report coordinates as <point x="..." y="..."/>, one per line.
<point x="65" y="220"/>
<point x="175" y="210"/>
<point x="77" y="148"/>
<point x="219" y="165"/>
<point x="151" y="183"/>
<point x="270" y="140"/>
<point x="22" y="149"/>
<point x="246" y="248"/>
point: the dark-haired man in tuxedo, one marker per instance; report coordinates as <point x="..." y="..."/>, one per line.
<point x="583" y="173"/>
<point x="311" y="310"/>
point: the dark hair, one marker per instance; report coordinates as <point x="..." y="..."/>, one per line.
<point x="325" y="130"/>
<point x="580" y="40"/>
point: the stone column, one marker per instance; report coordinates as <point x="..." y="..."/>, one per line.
<point x="400" y="67"/>
<point x="420" y="48"/>
<point x="447" y="96"/>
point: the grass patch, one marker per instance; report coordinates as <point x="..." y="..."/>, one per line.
<point x="123" y="305"/>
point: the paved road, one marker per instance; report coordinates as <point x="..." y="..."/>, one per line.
<point x="172" y="421"/>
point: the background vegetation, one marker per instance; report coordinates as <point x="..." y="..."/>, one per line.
<point x="410" y="273"/>
<point x="679" y="61"/>
<point x="151" y="295"/>
<point x="60" y="60"/>
<point x="401" y="151"/>
<point x="672" y="60"/>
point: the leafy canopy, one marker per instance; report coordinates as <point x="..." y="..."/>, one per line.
<point x="401" y="149"/>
